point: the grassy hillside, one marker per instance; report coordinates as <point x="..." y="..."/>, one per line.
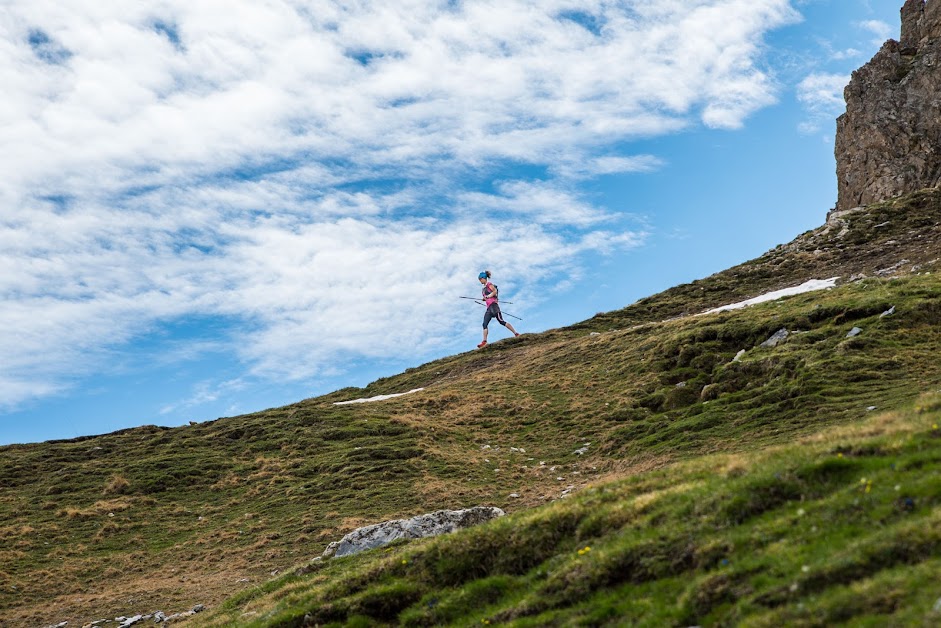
<point x="155" y="518"/>
<point x="840" y="528"/>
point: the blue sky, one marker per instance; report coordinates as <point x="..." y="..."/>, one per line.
<point x="212" y="208"/>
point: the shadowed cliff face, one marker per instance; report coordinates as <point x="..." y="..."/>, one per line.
<point x="888" y="142"/>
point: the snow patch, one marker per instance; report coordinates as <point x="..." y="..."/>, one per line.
<point x="376" y="398"/>
<point x="807" y="286"/>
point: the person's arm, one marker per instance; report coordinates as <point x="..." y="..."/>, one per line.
<point x="493" y="292"/>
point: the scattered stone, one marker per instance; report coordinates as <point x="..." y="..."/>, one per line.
<point x="709" y="392"/>
<point x="776" y="338"/>
<point x="888" y="312"/>
<point x="681" y="385"/>
<point x="594" y="333"/>
<point x="581" y="451"/>
<point x="514" y="495"/>
<point x="432" y="524"/>
<point x="854" y="332"/>
<point x="937" y="606"/>
<point x="870" y="408"/>
<point x="130" y="621"/>
<point x="199" y="608"/>
<point x="739" y="356"/>
<point x="894" y="268"/>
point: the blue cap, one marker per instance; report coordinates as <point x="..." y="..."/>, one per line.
<point x="482" y="276"/>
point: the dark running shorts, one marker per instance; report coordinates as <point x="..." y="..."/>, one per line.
<point x="493" y="312"/>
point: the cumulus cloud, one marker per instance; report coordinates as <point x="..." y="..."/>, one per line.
<point x="292" y="165"/>
<point x="880" y="30"/>
<point x="821" y="95"/>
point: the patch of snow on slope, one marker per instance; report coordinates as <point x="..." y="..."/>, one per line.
<point x="807" y="286"/>
<point x="376" y="398"/>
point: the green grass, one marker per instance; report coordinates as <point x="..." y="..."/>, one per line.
<point x="843" y="527"/>
<point x="168" y="518"/>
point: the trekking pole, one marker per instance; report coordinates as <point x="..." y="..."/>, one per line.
<point x="478" y="299"/>
<point x="479" y="302"/>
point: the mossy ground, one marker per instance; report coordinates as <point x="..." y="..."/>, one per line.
<point x="155" y="518"/>
<point x="839" y="528"/>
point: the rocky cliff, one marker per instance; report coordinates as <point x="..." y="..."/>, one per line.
<point x="888" y="142"/>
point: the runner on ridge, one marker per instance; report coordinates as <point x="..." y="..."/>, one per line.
<point x="490" y="295"/>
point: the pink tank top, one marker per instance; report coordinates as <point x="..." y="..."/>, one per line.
<point x="487" y="290"/>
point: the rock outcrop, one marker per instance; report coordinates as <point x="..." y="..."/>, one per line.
<point x="888" y="142"/>
<point x="433" y="524"/>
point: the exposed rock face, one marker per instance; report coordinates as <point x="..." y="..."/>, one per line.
<point x="433" y="524"/>
<point x="888" y="142"/>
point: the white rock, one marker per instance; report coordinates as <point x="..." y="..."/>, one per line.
<point x="432" y="524"/>
<point x="776" y="338"/>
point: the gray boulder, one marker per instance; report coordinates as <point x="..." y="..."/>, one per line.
<point x="778" y="336"/>
<point x="432" y="524"/>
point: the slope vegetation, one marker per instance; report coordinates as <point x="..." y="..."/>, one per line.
<point x="841" y="528"/>
<point x="156" y="518"/>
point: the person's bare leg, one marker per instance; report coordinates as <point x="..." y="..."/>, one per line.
<point x="510" y="327"/>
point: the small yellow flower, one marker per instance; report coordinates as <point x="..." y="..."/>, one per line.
<point x="404" y="562"/>
<point x="935" y="426"/>
<point x="839" y="455"/>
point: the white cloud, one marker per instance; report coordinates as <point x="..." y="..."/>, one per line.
<point x="821" y="95"/>
<point x="313" y="169"/>
<point x="203" y="392"/>
<point x="880" y="30"/>
<point x="843" y="55"/>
